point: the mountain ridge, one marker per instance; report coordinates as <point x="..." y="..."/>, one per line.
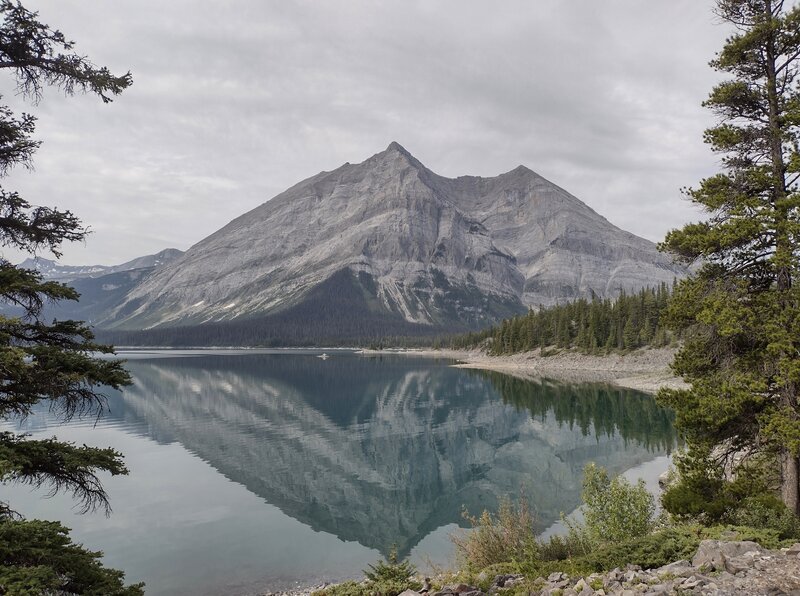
<point x="53" y="270"/>
<point x="421" y="250"/>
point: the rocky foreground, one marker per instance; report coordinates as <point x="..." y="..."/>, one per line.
<point x="718" y="568"/>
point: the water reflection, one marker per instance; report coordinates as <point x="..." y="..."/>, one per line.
<point x="383" y="451"/>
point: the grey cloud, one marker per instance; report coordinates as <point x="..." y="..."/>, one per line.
<point x="235" y="101"/>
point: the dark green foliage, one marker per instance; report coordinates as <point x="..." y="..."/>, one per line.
<point x="38" y="557"/>
<point x="41" y="56"/>
<point x="767" y="512"/>
<point x="390" y="570"/>
<point x="740" y="314"/>
<point x="702" y="494"/>
<point x="53" y="362"/>
<point x="387" y="577"/>
<point x="596" y="326"/>
<point x="650" y="551"/>
<point x="58" y="465"/>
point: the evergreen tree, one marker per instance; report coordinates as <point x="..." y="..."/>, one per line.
<point x="52" y="362"/>
<point x="741" y="312"/>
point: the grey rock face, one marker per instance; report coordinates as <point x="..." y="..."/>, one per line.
<point x="433" y="250"/>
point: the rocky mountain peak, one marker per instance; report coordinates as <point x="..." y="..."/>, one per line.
<point x="406" y="246"/>
<point x="396" y="147"/>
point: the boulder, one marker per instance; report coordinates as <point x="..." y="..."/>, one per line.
<point x="712" y="554"/>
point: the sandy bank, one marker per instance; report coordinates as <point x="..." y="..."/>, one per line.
<point x="644" y="370"/>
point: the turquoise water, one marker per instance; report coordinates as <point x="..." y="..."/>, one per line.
<point x="253" y="470"/>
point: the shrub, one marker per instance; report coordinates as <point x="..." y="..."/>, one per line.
<point x="387" y="577"/>
<point x="560" y="547"/>
<point x="391" y="569"/>
<point x="767" y="512"/>
<point x="702" y="494"/>
<point x="506" y="537"/>
<point x="614" y="510"/>
<point x="652" y="550"/>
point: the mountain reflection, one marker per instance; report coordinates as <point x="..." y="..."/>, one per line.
<point x="385" y="450"/>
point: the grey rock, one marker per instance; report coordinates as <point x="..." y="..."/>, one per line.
<point x="712" y="554"/>
<point x="794" y="549"/>
<point x="424" y="246"/>
<point x="677" y="568"/>
<point x="580" y="585"/>
<point x="409" y="593"/>
<point x="736" y="565"/>
<point x="459" y="589"/>
<point x="507" y="580"/>
<point x="630" y="575"/>
<point x="616" y="575"/>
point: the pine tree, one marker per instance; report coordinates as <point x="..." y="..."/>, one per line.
<point x="741" y="312"/>
<point x="53" y="362"/>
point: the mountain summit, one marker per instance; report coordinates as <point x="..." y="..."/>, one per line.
<point x="389" y="240"/>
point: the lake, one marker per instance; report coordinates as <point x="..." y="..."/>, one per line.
<point x="259" y="469"/>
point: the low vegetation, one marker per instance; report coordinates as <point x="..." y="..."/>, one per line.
<point x="619" y="527"/>
<point x="387" y="577"/>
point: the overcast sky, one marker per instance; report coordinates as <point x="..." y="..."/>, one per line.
<point x="235" y="101"/>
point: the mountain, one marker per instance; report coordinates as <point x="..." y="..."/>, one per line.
<point x="411" y="250"/>
<point x="101" y="287"/>
<point x="52" y="270"/>
<point x="98" y="295"/>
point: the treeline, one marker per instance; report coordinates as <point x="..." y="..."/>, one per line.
<point x="593" y="326"/>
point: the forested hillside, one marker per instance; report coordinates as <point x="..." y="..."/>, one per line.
<point x="629" y="322"/>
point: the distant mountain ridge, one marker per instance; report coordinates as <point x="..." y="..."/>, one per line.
<point x="53" y="270"/>
<point x="409" y="246"/>
<point x="101" y="287"/>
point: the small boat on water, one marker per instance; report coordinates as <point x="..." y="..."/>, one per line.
<point x="324" y="356"/>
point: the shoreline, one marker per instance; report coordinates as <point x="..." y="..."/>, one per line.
<point x="646" y="369"/>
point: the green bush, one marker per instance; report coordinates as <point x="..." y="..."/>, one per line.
<point x="506" y="537"/>
<point x="652" y="550"/>
<point x="560" y="547"/>
<point x="391" y="570"/>
<point x="703" y="495"/>
<point x="767" y="512"/>
<point x="387" y="577"/>
<point x="615" y="510"/>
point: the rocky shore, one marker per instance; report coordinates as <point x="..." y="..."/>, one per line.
<point x="718" y="568"/>
<point x="645" y="370"/>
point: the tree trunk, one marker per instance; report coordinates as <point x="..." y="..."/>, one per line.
<point x="784" y="254"/>
<point x="790" y="481"/>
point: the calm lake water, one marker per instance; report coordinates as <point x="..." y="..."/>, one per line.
<point x="261" y="469"/>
